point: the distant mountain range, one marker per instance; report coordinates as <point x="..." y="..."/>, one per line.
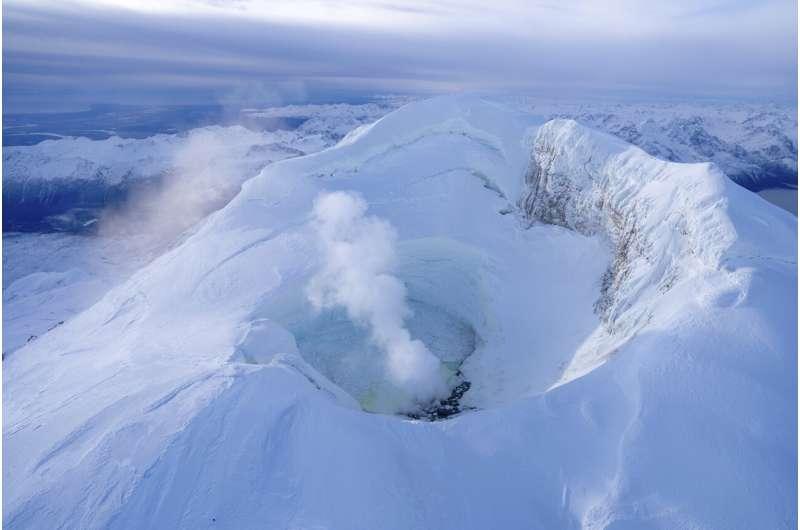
<point x="754" y="144"/>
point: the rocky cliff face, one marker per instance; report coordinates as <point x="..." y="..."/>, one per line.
<point x="665" y="222"/>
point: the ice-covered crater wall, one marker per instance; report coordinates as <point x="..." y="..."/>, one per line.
<point x="665" y="222"/>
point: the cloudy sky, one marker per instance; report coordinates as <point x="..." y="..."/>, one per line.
<point x="74" y="53"/>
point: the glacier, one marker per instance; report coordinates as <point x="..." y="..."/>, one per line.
<point x="627" y="326"/>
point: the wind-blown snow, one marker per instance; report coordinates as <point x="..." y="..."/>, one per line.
<point x="359" y="254"/>
<point x="628" y="326"/>
<point x="64" y="183"/>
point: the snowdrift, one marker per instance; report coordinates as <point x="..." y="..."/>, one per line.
<point x="627" y="327"/>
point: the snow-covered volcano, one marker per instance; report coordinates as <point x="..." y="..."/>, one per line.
<point x="627" y="327"/>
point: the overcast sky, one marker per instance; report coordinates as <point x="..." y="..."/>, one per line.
<point x="73" y="53"/>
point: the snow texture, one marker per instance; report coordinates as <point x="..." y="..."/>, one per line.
<point x="628" y="325"/>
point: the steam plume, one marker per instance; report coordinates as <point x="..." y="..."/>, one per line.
<point x="358" y="253"/>
<point x="203" y="178"/>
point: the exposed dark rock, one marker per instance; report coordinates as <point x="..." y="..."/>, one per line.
<point x="447" y="407"/>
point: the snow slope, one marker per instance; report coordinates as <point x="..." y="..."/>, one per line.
<point x="628" y="326"/>
<point x="48" y="278"/>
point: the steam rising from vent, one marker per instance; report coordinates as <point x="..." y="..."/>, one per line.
<point x="358" y="255"/>
<point x="203" y="179"/>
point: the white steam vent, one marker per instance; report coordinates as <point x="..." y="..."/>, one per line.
<point x="358" y="254"/>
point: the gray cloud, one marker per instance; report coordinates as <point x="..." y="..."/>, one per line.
<point x="83" y="54"/>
